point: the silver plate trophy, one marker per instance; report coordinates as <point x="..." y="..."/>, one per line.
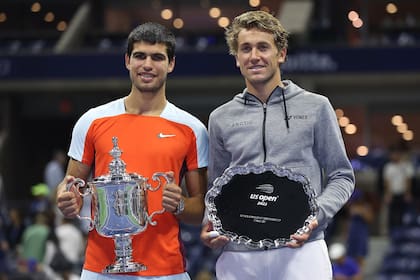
<point x="260" y="206"/>
<point x="119" y="208"/>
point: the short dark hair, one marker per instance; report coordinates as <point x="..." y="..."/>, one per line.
<point x="153" y="33"/>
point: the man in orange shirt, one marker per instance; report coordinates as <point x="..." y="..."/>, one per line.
<point x="155" y="136"/>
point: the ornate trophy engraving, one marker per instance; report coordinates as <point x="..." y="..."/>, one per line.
<point x="260" y="206"/>
<point x="119" y="208"/>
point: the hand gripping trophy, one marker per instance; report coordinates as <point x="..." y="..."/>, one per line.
<point x="119" y="208"/>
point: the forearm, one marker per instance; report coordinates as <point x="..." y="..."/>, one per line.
<point x="193" y="211"/>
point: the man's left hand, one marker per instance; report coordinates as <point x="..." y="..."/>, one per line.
<point x="298" y="239"/>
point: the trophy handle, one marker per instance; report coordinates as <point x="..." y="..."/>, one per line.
<point x="156" y="177"/>
<point x="80" y="183"/>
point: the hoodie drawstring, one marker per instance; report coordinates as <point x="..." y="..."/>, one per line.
<point x="286" y="117"/>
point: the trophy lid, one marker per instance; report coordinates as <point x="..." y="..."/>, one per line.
<point x="117" y="165"/>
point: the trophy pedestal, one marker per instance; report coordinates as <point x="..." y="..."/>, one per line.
<point x="123" y="261"/>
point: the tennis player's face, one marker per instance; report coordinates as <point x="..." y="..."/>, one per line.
<point x="258" y="57"/>
<point x="149" y="66"/>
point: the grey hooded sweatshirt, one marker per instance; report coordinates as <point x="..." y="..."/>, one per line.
<point x="294" y="129"/>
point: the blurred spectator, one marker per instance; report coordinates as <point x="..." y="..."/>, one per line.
<point x="34" y="240"/>
<point x="4" y="248"/>
<point x="40" y="202"/>
<point x="200" y="259"/>
<point x="13" y="231"/>
<point x="56" y="263"/>
<point x="2" y="196"/>
<point x="204" y="275"/>
<point x="361" y="216"/>
<point x="3" y="241"/>
<point x="343" y="266"/>
<point x="397" y="174"/>
<point x="72" y="243"/>
<point x="14" y="228"/>
<point x="54" y="171"/>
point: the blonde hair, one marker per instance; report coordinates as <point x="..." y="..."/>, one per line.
<point x="260" y="20"/>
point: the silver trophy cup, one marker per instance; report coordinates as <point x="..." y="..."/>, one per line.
<point x="119" y="208"/>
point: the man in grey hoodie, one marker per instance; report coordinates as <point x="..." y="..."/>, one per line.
<point x="276" y="121"/>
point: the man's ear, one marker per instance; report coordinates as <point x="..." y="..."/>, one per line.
<point x="282" y="56"/>
<point x="127" y="61"/>
<point x="171" y="65"/>
<point x="237" y="62"/>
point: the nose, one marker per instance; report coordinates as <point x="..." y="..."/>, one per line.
<point x="255" y="54"/>
<point x="147" y="64"/>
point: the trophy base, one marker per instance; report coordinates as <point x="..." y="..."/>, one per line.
<point x="124" y="267"/>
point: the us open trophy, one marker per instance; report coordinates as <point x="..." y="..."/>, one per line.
<point x="260" y="206"/>
<point x="119" y="208"/>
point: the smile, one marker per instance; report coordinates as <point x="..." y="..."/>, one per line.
<point x="256" y="67"/>
<point x="146" y="77"/>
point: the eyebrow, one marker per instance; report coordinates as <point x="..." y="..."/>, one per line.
<point x="149" y="53"/>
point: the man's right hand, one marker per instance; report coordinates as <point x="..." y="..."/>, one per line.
<point x="69" y="202"/>
<point x="209" y="240"/>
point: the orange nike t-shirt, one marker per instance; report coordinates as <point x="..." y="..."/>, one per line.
<point x="175" y="141"/>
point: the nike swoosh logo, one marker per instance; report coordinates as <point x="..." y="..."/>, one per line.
<point x="161" y="135"/>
